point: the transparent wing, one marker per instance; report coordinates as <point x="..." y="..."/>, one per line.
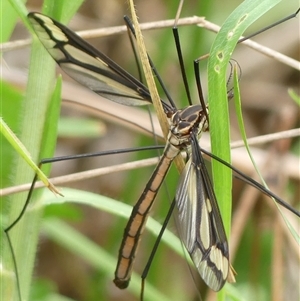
<point x="200" y="223"/>
<point x="86" y="64"/>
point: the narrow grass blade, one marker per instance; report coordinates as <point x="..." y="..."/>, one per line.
<point x="221" y="51"/>
<point x="238" y="108"/>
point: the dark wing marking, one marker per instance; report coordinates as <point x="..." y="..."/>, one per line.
<point x="200" y="222"/>
<point x="86" y="64"/>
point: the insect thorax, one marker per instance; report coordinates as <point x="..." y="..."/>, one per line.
<point x="184" y="122"/>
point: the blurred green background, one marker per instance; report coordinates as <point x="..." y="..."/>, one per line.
<point x="265" y="256"/>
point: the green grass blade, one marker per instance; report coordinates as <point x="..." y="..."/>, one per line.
<point x="294" y="96"/>
<point x="35" y="109"/>
<point x="221" y="50"/>
<point x="94" y="255"/>
<point x="22" y="151"/>
<point x="238" y="108"/>
<point x="241" y="18"/>
<point x="114" y="207"/>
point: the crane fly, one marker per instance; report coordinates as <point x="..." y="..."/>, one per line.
<point x="199" y="217"/>
<point x="200" y="224"/>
